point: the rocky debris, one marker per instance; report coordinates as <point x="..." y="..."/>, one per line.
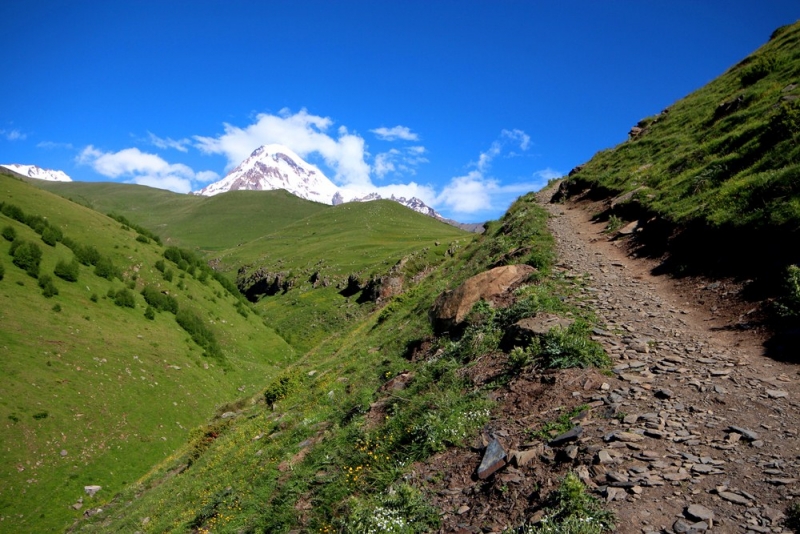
<point x="452" y="307"/>
<point x="691" y="433"/>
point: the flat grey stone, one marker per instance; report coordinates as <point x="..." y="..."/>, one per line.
<point x="493" y="459"/>
<point x="734" y="497"/>
<point x="699" y="512"/>
<point x="744" y="432"/>
<point x="571" y="435"/>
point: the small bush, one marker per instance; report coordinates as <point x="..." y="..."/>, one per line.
<point x="94" y="297"/>
<point x="2" y="271"/>
<point x="51" y="235"/>
<point x="149" y="313"/>
<point x="573" y="511"/>
<point x="67" y="270"/>
<point x="199" y="332"/>
<point x="104" y="268"/>
<point x="168" y="274"/>
<point x="160" y="265"/>
<point x="788" y="305"/>
<point x="87" y="255"/>
<point x="57" y="308"/>
<point x="14" y="212"/>
<point x="27" y="256"/>
<point x="48" y="288"/>
<point x="40" y="415"/>
<point x="124" y="297"/>
<point x="281" y="387"/>
<point x="562" y="348"/>
<point x="159" y="300"/>
<point x="9" y="233"/>
<point x="142" y="239"/>
<point x="758" y="68"/>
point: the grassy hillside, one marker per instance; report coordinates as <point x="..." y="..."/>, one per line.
<point x="721" y="166"/>
<point x="323" y="449"/>
<point x="325" y="261"/>
<point x="204" y="223"/>
<point x="95" y="392"/>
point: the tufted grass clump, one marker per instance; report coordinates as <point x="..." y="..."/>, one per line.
<point x="573" y="511"/>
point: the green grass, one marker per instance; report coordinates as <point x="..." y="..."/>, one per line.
<point x="308" y="454"/>
<point x="120" y="392"/>
<point x="725" y="155"/>
<point x="196" y="222"/>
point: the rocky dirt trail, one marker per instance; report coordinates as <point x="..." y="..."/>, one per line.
<point x="704" y="433"/>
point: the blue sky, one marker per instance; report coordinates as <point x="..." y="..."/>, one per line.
<point x="466" y="104"/>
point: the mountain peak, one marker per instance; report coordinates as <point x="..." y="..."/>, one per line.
<point x="34" y="171"/>
<point x="275" y="166"/>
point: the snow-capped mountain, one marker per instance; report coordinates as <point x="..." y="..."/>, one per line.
<point x="32" y="171"/>
<point x="412" y="203"/>
<point x="277" y="167"/>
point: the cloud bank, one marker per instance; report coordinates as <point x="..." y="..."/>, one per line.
<point x="135" y="166"/>
<point x="476" y="193"/>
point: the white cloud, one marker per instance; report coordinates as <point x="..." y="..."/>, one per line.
<point x="139" y="167"/>
<point x="399" y="161"/>
<point x="398" y="132"/>
<point x="181" y="145"/>
<point x="13" y="135"/>
<point x="51" y="145"/>
<point x="304" y="133"/>
<point x="478" y="192"/>
<point x="547" y="174"/>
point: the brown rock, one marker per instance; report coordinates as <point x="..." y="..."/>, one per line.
<point x="452" y="307"/>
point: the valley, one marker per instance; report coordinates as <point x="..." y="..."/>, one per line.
<point x="617" y="352"/>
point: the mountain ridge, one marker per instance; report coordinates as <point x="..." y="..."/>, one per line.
<point x="34" y="171"/>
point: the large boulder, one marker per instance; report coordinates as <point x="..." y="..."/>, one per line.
<point x="452" y="307"/>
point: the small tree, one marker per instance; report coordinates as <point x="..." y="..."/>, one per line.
<point x="67" y="270"/>
<point x="51" y="235"/>
<point x="48" y="287"/>
<point x="27" y="256"/>
<point x="104" y="268"/>
<point x="125" y="298"/>
<point x="9" y="233"/>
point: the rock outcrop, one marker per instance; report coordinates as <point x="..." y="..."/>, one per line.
<point x="452" y="307"/>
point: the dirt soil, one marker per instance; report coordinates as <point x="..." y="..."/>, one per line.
<point x="696" y="430"/>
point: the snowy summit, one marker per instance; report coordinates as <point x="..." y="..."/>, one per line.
<point x="32" y="171"/>
<point x="278" y="167"/>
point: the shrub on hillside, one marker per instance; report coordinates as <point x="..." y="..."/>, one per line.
<point x="2" y="271"/>
<point x="124" y="297"/>
<point x="14" y="212"/>
<point x="104" y="268"/>
<point x="48" y="287"/>
<point x="9" y="234"/>
<point x="51" y="235"/>
<point x="67" y="270"/>
<point x="159" y="300"/>
<point x="27" y="256"/>
<point x="149" y="313"/>
<point x="199" y="332"/>
<point x="788" y="306"/>
<point x="168" y="274"/>
<point x="87" y="255"/>
<point x="758" y="68"/>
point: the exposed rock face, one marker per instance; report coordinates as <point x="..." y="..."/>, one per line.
<point x="452" y="307"/>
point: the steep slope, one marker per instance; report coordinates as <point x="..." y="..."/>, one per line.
<point x="94" y="392"/>
<point x="32" y="171"/>
<point x="713" y="179"/>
